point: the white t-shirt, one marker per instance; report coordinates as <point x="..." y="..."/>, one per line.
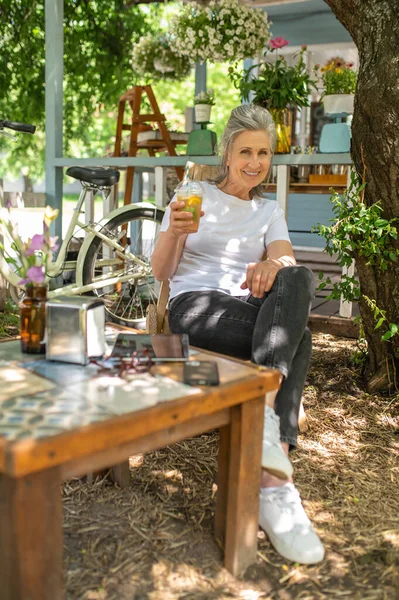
<point x="231" y="234"/>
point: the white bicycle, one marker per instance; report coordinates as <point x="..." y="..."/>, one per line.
<point x="114" y="259"/>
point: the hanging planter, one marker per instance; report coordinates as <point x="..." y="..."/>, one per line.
<point x="221" y="31"/>
<point x="154" y="58"/>
<point x="162" y="67"/>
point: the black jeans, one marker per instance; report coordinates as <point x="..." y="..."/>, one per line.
<point x="270" y="331"/>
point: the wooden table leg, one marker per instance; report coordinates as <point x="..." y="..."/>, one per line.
<point x="120" y="474"/>
<point x="222" y="480"/>
<point x="31" y="541"/>
<point x="240" y="490"/>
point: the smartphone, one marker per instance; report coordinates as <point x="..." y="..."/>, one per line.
<point x="201" y="372"/>
<point x="162" y="347"/>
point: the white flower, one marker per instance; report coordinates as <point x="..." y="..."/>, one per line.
<point x="213" y="31"/>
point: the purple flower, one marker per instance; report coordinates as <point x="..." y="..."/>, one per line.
<point x="36" y="243"/>
<point x="278" y="42"/>
<point x="34" y="275"/>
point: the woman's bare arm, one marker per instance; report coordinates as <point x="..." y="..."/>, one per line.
<point x="166" y="255"/>
<point x="282" y="252"/>
<point x="260" y="276"/>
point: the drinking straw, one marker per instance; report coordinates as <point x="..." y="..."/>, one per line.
<point x="186" y="177"/>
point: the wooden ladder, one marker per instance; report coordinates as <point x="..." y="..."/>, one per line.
<point x="134" y="97"/>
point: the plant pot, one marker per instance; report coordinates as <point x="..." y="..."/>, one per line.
<point x="202" y="113"/>
<point x="32" y="311"/>
<point x="162" y="67"/>
<point x="338" y="104"/>
<point x="283" y="121"/>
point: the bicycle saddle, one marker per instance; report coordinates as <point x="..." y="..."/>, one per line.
<point x="95" y="175"/>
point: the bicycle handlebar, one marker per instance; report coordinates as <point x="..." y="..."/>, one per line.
<point x="23" y="127"/>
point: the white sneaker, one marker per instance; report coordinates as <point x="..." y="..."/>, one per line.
<point x="289" y="529"/>
<point x="274" y="459"/>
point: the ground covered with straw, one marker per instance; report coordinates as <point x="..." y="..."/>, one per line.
<point x="154" y="540"/>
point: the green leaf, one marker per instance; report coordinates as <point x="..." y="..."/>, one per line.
<point x="380" y="322"/>
<point x="387" y="336"/>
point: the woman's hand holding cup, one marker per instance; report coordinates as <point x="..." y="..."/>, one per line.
<point x="185" y="216"/>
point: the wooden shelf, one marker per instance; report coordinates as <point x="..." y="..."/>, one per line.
<point x="308" y="188"/>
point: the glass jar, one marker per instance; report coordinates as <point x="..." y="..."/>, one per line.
<point x="32" y="311"/>
<point x="283" y="121"/>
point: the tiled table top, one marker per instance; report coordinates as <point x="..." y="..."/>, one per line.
<point x="78" y="396"/>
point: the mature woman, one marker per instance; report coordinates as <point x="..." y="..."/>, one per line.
<point x="236" y="289"/>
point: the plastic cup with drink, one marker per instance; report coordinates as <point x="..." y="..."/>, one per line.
<point x="191" y="193"/>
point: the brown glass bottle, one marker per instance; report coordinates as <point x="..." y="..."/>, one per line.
<point x="32" y="310"/>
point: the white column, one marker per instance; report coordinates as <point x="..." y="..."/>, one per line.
<point x="283" y="185"/>
<point x="160" y="186"/>
<point x="54" y="27"/>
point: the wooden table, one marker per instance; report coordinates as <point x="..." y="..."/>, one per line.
<point x="33" y="468"/>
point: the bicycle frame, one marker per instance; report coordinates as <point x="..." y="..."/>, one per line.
<point x="92" y="230"/>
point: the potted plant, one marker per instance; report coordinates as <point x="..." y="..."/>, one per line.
<point x="220" y="31"/>
<point x="278" y="87"/>
<point x="30" y="259"/>
<point x="203" y="103"/>
<point x="339" y="84"/>
<point x="154" y="58"/>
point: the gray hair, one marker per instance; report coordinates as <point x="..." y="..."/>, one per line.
<point x="247" y="117"/>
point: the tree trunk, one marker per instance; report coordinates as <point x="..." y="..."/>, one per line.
<point x="374" y="27"/>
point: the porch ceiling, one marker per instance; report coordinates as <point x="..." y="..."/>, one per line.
<point x="305" y="22"/>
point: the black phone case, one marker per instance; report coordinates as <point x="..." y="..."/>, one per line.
<point x="204" y="372"/>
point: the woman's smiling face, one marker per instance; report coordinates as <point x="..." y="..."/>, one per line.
<point x="249" y="161"/>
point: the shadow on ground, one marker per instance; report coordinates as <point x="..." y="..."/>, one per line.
<point x="154" y="540"/>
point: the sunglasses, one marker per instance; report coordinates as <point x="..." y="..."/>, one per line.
<point x="139" y="362"/>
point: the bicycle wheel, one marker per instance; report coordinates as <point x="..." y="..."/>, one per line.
<point x="126" y="302"/>
<point x="16" y="293"/>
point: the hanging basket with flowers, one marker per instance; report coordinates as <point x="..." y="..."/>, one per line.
<point x="154" y="58"/>
<point x="278" y="86"/>
<point x="221" y="31"/>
